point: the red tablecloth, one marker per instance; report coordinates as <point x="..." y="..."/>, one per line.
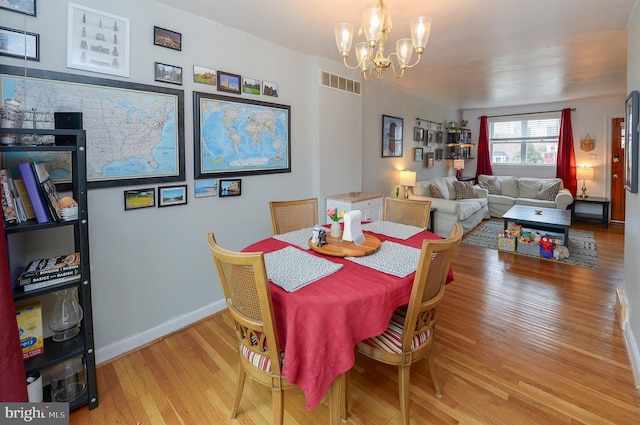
<point x="320" y="324"/>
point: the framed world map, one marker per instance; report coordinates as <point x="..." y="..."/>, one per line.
<point x="135" y="132"/>
<point x="237" y="137"/>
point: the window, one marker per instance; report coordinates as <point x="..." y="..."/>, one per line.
<point x="528" y="141"/>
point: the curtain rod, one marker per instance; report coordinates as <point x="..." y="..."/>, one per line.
<point x="524" y="113"/>
<point x="429" y="121"/>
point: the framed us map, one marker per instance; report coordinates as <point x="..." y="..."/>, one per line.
<point x="237" y="137"/>
<point x="135" y="132"/>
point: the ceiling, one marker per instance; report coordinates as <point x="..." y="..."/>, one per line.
<point x="481" y="53"/>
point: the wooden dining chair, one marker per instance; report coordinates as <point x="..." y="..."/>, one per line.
<point x="410" y="334"/>
<point x="407" y="211"/>
<point x="287" y="216"/>
<point x="246" y="290"/>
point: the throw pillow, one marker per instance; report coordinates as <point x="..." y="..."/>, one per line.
<point x="435" y="192"/>
<point x="492" y="185"/>
<point x="548" y="191"/>
<point x="464" y="190"/>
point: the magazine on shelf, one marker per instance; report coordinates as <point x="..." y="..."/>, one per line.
<point x="52" y="265"/>
<point x="8" y="201"/>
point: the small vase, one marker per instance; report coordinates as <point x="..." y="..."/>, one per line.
<point x="66" y="315"/>
<point x="336" y="230"/>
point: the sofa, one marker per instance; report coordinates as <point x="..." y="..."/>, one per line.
<point x="454" y="202"/>
<point x="503" y="192"/>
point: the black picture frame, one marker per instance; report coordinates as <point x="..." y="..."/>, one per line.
<point x="230" y="187"/>
<point x="439" y="154"/>
<point x="169" y="196"/>
<point x="392" y="136"/>
<point x="166" y="38"/>
<point x="26" y="7"/>
<point x="135" y="199"/>
<point x="631" y="127"/>
<point x="97" y="86"/>
<point x="165" y="73"/>
<point x="229" y="83"/>
<point x="19" y="44"/>
<point x="211" y="156"/>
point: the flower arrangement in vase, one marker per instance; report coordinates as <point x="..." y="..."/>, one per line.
<point x="336" y="229"/>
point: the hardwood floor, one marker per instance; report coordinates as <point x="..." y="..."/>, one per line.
<point x="519" y="341"/>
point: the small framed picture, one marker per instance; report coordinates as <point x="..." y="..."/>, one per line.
<point x="439" y="154"/>
<point x="250" y="86"/>
<point x="430" y="159"/>
<point x="28" y="7"/>
<point x="204" y="75"/>
<point x="439" y="136"/>
<point x="167" y="38"/>
<point x="229" y="83"/>
<point x="19" y="44"/>
<point x="418" y="134"/>
<point x="230" y="187"/>
<point x="172" y="195"/>
<point x="139" y="198"/>
<point x="168" y="73"/>
<point x="270" y="89"/>
<point x="430" y="140"/>
<point x="205" y="188"/>
<point x="391" y="136"/>
<point x="417" y="154"/>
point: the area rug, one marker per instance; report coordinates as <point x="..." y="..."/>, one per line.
<point x="583" y="251"/>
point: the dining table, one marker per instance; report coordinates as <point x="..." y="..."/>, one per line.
<point x="320" y="322"/>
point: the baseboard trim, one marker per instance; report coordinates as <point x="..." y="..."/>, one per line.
<point x="632" y="352"/>
<point x="118" y="348"/>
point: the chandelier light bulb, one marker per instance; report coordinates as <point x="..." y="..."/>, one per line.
<point x="344" y="38"/>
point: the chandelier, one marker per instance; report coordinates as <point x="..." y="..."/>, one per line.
<point x="376" y="27"/>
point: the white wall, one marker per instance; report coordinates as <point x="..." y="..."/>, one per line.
<point x="632" y="232"/>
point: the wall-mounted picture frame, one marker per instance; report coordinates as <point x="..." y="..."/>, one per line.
<point x="439" y="154"/>
<point x="27" y="7"/>
<point x="418" y="134"/>
<point x="19" y="44"/>
<point x="205" y="188"/>
<point x="631" y="127"/>
<point x="439" y="136"/>
<point x="391" y="136"/>
<point x="97" y="41"/>
<point x="270" y="89"/>
<point x="169" y="196"/>
<point x="430" y="159"/>
<point x="229" y="83"/>
<point x="166" y="38"/>
<point x="251" y="86"/>
<point x="139" y="198"/>
<point x="204" y="75"/>
<point x="430" y="137"/>
<point x="167" y="73"/>
<point x="224" y="147"/>
<point x="230" y="187"/>
<point x="417" y="154"/>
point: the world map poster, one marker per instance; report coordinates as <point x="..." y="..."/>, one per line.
<point x="135" y="133"/>
<point x="237" y="136"/>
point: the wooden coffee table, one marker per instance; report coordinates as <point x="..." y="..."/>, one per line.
<point x="549" y="219"/>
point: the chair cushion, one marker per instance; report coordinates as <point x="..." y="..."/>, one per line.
<point x="548" y="191"/>
<point x="391" y="339"/>
<point x="464" y="190"/>
<point x="258" y="360"/>
<point x="435" y="192"/>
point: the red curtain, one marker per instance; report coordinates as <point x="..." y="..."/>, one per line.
<point x="484" y="157"/>
<point x="566" y="162"/>
<point x="13" y="383"/>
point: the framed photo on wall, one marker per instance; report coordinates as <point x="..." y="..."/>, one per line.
<point x="139" y="198"/>
<point x="230" y="187"/>
<point x="417" y="154"/>
<point x="172" y="195"/>
<point x="229" y="83"/>
<point x="391" y="136"/>
<point x="28" y="7"/>
<point x="631" y="142"/>
<point x="167" y="38"/>
<point x="418" y="134"/>
<point x="19" y="44"/>
<point x="430" y="159"/>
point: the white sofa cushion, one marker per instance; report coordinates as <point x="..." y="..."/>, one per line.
<point x="467" y="207"/>
<point x="509" y="186"/>
<point x="528" y="188"/>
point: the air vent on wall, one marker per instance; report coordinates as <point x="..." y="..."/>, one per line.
<point x="338" y="82"/>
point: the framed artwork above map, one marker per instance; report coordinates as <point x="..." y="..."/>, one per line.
<point x="239" y="137"/>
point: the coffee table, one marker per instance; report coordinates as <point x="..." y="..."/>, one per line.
<point x="549" y="219"/>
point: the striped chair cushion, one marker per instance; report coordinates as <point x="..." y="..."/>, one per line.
<point x="391" y="339"/>
<point x="258" y="360"/>
<point x="436" y="192"/>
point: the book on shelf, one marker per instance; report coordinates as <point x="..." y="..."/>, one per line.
<point x="33" y="190"/>
<point x="9" y="210"/>
<point x="21" y="192"/>
<point x="50" y="282"/>
<point x="57" y="276"/>
<point x="51" y="265"/>
<point x="48" y="190"/>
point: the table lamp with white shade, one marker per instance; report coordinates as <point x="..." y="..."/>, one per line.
<point x="584" y="174"/>
<point x="407" y="178"/>
<point x="458" y="164"/>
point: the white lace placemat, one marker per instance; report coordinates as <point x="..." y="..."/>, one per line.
<point x="392" y="258"/>
<point x="292" y="269"/>
<point x="299" y="238"/>
<point x="394" y="230"/>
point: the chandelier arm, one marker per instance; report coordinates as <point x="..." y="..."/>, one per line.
<point x="393" y="68"/>
<point x="358" y="66"/>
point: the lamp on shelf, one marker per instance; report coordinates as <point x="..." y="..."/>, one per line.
<point x="458" y="164"/>
<point x="376" y="27"/>
<point x="584" y="174"/>
<point x="407" y="178"/>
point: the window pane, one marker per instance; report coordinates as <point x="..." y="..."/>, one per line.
<point x="531" y="141"/>
<point x="503" y="153"/>
<point x="541" y="153"/>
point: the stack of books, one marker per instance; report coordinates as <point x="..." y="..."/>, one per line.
<point x="46" y="272"/>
